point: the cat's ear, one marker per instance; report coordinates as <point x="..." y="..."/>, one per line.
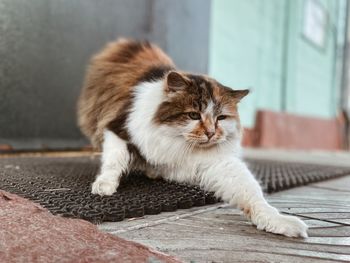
<point x="237" y="95"/>
<point x="176" y="81"/>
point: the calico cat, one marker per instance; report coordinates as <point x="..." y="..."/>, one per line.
<point x="147" y="115"/>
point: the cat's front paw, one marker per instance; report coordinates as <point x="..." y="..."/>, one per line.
<point x="276" y="223"/>
<point x="103" y="187"/>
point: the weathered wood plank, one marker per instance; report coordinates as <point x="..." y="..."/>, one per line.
<point x="224" y="235"/>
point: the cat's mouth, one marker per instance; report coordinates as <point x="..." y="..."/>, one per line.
<point x="207" y="144"/>
<point x="202" y="143"/>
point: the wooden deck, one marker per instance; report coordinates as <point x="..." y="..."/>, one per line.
<point x="222" y="234"/>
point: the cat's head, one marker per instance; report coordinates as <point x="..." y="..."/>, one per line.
<point x="200" y="110"/>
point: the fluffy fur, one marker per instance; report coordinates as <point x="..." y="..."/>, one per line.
<point x="149" y="116"/>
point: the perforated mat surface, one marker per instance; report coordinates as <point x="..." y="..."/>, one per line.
<point x="63" y="186"/>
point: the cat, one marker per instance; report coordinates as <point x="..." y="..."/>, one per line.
<point x="145" y="114"/>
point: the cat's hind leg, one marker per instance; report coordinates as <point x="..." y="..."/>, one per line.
<point x="114" y="162"/>
<point x="153" y="173"/>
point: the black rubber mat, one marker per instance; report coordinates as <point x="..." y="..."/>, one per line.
<point x="63" y="186"/>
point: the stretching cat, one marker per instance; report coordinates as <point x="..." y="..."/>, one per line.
<point x="147" y="115"/>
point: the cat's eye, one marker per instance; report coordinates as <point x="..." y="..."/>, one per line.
<point x="221" y="117"/>
<point x="194" y="115"/>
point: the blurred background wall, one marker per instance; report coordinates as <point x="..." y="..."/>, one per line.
<point x="46" y="44"/>
<point x="292" y="54"/>
<point x="261" y="45"/>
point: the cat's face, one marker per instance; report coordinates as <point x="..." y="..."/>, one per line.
<point x="200" y="110"/>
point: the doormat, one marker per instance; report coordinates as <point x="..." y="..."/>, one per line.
<point x="63" y="186"/>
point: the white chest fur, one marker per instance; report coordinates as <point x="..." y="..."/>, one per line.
<point x="161" y="144"/>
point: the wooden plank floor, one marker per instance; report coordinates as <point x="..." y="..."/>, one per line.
<point x="222" y="234"/>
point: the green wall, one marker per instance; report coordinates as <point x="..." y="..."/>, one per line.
<point x="259" y="44"/>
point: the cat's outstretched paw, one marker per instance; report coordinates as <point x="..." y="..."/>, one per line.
<point x="276" y="223"/>
<point x="103" y="187"/>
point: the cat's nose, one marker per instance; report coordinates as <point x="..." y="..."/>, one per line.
<point x="209" y="134"/>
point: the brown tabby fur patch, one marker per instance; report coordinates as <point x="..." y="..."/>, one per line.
<point x="113" y="73"/>
<point x="107" y="91"/>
